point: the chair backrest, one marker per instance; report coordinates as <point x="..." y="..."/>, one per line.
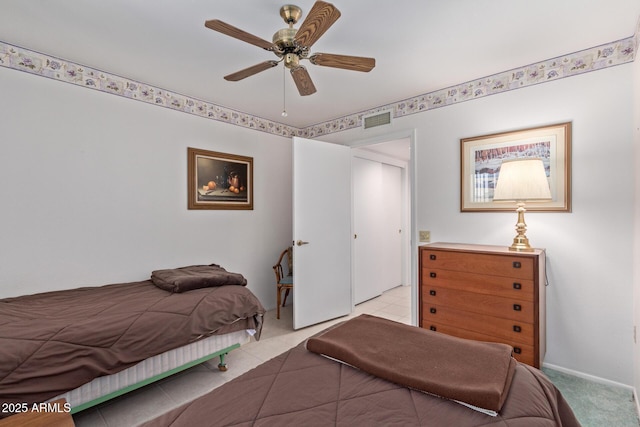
<point x="277" y="268"/>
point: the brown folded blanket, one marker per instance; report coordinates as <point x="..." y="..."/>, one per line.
<point x="194" y="277"/>
<point x="472" y="372"/>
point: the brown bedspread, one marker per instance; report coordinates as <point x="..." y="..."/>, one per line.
<point x="302" y="388"/>
<point x="473" y="372"/>
<point x="53" y="342"/>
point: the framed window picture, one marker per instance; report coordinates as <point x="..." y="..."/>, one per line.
<point x="219" y="180"/>
<point x="482" y="156"/>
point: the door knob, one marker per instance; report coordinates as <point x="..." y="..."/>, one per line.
<point x="300" y="243"/>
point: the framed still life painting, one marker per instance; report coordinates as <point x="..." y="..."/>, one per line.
<point x="219" y="180"/>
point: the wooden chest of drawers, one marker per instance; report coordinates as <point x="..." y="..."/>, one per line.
<point x="486" y="293"/>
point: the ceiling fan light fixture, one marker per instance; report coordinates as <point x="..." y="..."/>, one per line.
<point x="291" y="60"/>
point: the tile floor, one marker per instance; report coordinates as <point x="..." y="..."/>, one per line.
<point x="277" y="337"/>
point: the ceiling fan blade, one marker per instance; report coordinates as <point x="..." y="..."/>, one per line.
<point x="250" y="71"/>
<point x="303" y="81"/>
<point x="230" y="30"/>
<point x="355" y="63"/>
<point x="321" y="16"/>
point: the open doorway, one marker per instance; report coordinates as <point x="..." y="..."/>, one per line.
<point x="383" y="256"/>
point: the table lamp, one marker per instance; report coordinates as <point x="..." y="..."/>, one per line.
<point x="522" y="180"/>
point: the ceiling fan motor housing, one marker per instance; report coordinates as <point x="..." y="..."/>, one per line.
<point x="285" y="38"/>
<point x="288" y="49"/>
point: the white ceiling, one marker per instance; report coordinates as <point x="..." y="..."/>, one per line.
<point x="419" y="45"/>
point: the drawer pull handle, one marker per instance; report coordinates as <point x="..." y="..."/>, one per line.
<point x="432" y="310"/>
<point x="517" y="264"/>
<point x="517" y="307"/>
<point x="433" y="328"/>
<point x="517" y="285"/>
<point x="432" y="292"/>
<point x="432" y="257"/>
<point x="432" y="274"/>
<point x="517" y="328"/>
<point x="517" y="350"/>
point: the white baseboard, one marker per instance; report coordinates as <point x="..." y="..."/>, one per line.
<point x="591" y="378"/>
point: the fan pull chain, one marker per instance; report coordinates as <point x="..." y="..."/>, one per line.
<point x="284" y="98"/>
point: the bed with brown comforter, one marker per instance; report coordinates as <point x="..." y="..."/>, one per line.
<point x="54" y="342"/>
<point x="372" y="371"/>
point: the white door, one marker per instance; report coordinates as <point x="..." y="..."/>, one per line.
<point x="368" y="218"/>
<point x="392" y="246"/>
<point x="321" y="231"/>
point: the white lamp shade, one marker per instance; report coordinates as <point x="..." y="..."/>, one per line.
<point x="522" y="179"/>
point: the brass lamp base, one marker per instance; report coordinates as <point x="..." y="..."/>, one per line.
<point x="520" y="242"/>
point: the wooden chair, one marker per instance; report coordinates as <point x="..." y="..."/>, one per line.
<point x="283" y="281"/>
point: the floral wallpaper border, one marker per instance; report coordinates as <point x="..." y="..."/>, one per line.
<point x="600" y="57"/>
<point x="58" y="69"/>
<point x="604" y="56"/>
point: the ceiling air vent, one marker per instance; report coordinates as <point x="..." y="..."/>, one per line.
<point x="377" y="119"/>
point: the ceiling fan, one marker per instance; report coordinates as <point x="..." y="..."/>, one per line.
<point x="293" y="45"/>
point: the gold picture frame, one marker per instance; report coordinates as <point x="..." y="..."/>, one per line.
<point x="481" y="157"/>
<point x="219" y="180"/>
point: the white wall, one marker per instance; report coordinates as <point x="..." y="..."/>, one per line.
<point x="589" y="251"/>
<point x="94" y="191"/>
<point x="636" y="234"/>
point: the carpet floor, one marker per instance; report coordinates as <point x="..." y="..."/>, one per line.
<point x="596" y="404"/>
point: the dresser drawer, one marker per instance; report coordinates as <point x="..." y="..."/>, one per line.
<point x="506" y="308"/>
<point x="486" y="293"/>
<point x="520" y="332"/>
<point x="521" y="267"/>
<point x="522" y="289"/>
<point x="521" y="352"/>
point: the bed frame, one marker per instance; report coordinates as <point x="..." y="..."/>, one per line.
<point x="153" y="369"/>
